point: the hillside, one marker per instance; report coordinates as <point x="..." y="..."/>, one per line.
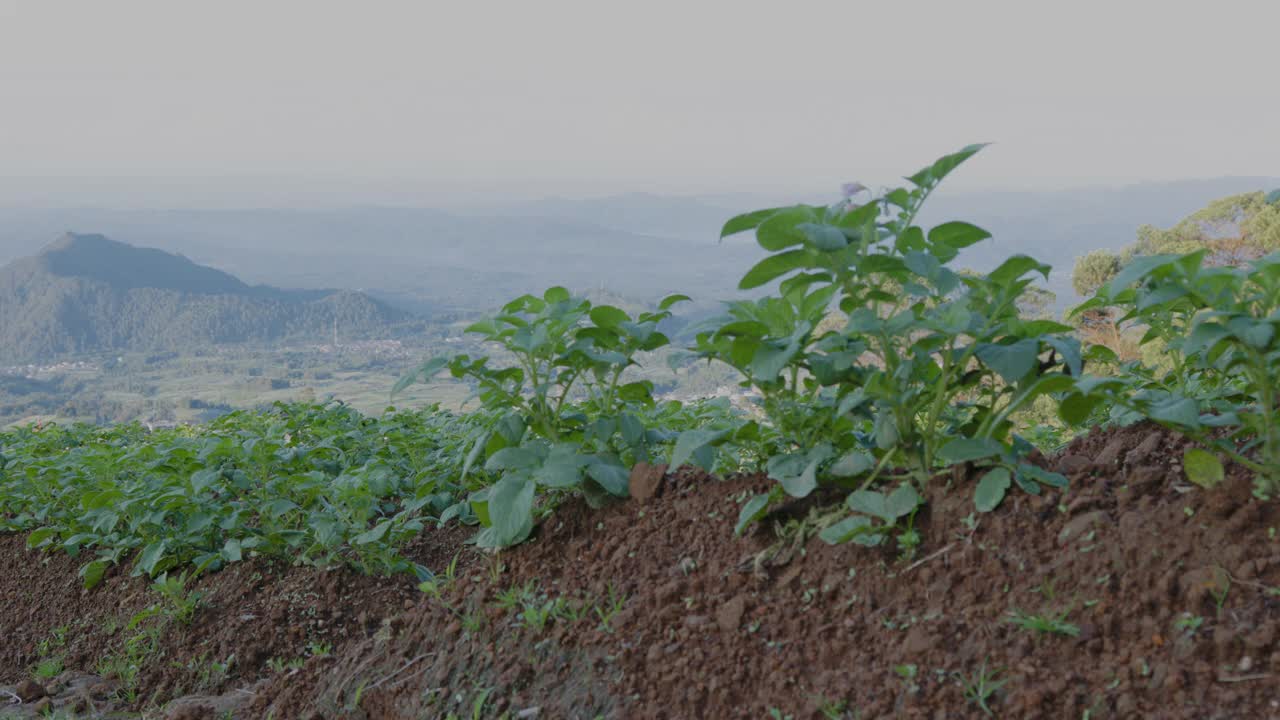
<point x="88" y="293"/>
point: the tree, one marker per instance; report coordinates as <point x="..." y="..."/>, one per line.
<point x="1239" y="226"/>
<point x="1094" y="270"/>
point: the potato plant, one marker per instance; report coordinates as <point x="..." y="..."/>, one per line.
<point x="568" y="419"/>
<point x="317" y="484"/>
<point x="1219" y="325"/>
<point x="926" y="368"/>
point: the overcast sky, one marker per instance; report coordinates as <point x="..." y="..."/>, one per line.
<point x="688" y="96"/>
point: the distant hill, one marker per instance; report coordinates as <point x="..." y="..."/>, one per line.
<point x="88" y="293"/>
<point x="470" y="259"/>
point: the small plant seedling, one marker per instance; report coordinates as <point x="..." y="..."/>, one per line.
<point x="1044" y="624"/>
<point x="181" y="604"/>
<point x="435" y="586"/>
<point x="537" y="615"/>
<point x="1219" y="588"/>
<point x="319" y="649"/>
<point x="515" y="596"/>
<point x="908" y="673"/>
<point x="47" y="669"/>
<point x="1189" y="623"/>
<point x="1047" y="589"/>
<point x="279" y="665"/>
<point x="981" y="685"/>
<point x="832" y="709"/>
<point x="610" y="609"/>
<point x="473" y="622"/>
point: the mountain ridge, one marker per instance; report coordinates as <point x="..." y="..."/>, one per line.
<point x="86" y="293"/>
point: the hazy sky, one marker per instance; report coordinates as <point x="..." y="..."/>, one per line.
<point x="664" y="96"/>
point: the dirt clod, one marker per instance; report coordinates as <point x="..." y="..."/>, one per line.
<point x="646" y="481"/>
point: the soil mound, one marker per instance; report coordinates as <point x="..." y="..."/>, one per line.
<point x="1131" y="594"/>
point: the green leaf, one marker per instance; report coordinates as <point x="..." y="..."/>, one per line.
<point x="801" y="485"/>
<point x="561" y="469"/>
<point x="1255" y="333"/>
<point x="631" y="428"/>
<point x="511" y="509"/>
<point x="826" y="238"/>
<point x="151" y="556"/>
<point x="670" y="300"/>
<point x="1176" y="410"/>
<point x="1012" y="362"/>
<point x="943" y="166"/>
<point x="991" y="489"/>
<point x="854" y="462"/>
<point x="1069" y="350"/>
<point x="771" y="358"/>
<point x="774" y="266"/>
<point x="611" y="475"/>
<point x="846" y="529"/>
<point x="231" y="550"/>
<point x="608" y="316"/>
<point x="1137" y="269"/>
<point x="511" y="458"/>
<point x="780" y="230"/>
<point x="870" y="502"/>
<point x="752" y="510"/>
<point x="903" y="501"/>
<point x="957" y="235"/>
<point x="93" y="572"/>
<point x="423" y="373"/>
<point x="277" y="508"/>
<point x="1015" y="267"/>
<point x="885" y="430"/>
<point x="1202" y="468"/>
<point x="373" y="535"/>
<point x="1040" y="475"/>
<point x="969" y="449"/>
<point x="797" y="472"/>
<point x="689" y="441"/>
<point x="556" y="294"/>
<point x="41" y="537"/>
<point x="746" y="221"/>
<point x="1273" y="198"/>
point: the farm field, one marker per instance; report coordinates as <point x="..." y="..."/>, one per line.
<point x="940" y="504"/>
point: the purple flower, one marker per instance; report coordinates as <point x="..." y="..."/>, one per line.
<point x="851" y="189"/>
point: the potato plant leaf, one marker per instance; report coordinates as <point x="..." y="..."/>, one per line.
<point x="1202" y="468"/>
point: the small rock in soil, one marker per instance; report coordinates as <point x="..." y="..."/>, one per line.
<point x="29" y="691"/>
<point x="918" y="642"/>
<point x="192" y="711"/>
<point x="1149" y="445"/>
<point x="646" y="481"/>
<point x="1073" y="464"/>
<point x="696" y="620"/>
<point x="730" y="615"/>
<point x="1080" y="525"/>
<point x="1110" y="454"/>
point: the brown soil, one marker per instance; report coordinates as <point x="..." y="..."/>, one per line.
<point x="1172" y="589"/>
